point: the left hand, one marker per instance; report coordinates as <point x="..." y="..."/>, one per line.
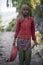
<point x="36" y="43"/>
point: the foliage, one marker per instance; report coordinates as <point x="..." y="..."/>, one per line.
<point x="39" y="10"/>
<point x="34" y="3"/>
<point x="11" y="26"/>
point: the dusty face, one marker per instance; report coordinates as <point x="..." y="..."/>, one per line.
<point x="25" y="9"/>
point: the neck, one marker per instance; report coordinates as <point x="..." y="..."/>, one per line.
<point x="25" y="16"/>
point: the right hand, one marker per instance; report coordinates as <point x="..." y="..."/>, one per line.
<point x="14" y="42"/>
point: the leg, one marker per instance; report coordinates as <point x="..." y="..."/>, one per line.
<point x="21" y="57"/>
<point x="27" y="57"/>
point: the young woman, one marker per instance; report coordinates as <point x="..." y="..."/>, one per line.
<point x="25" y="29"/>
